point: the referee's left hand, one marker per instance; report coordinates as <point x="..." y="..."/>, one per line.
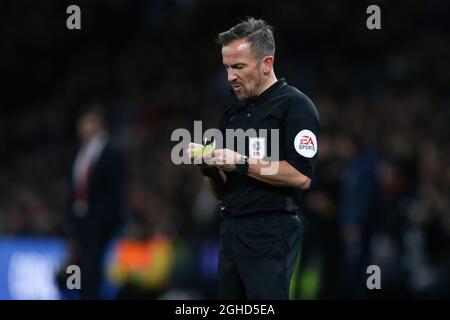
<point x="225" y="159"/>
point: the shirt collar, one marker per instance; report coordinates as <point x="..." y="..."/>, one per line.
<point x="97" y="142"/>
<point x="266" y="94"/>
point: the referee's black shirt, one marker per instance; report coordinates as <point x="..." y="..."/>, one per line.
<point x="280" y="107"/>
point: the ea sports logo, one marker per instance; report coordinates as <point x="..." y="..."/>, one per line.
<point x="305" y="143"/>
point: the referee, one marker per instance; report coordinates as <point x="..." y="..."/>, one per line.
<point x="260" y="230"/>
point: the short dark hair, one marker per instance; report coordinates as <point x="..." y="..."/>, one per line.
<point x="257" y="32"/>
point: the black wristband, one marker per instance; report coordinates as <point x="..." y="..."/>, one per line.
<point x="209" y="171"/>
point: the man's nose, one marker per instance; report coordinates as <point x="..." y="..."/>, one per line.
<point x="231" y="76"/>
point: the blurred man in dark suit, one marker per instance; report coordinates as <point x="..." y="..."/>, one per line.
<point x="96" y="201"/>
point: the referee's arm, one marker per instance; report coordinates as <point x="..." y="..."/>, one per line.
<point x="285" y="175"/>
<point x="277" y="173"/>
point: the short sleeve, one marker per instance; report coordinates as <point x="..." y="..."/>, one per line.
<point x="302" y="125"/>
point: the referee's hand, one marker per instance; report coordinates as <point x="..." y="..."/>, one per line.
<point x="199" y="157"/>
<point x="225" y="159"/>
<point x="191" y="148"/>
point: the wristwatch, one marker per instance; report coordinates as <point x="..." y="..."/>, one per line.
<point x="242" y="166"/>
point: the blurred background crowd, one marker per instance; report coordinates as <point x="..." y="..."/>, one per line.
<point x="381" y="193"/>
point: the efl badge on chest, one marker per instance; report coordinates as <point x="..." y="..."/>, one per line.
<point x="257" y="148"/>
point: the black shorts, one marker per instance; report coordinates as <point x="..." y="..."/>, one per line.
<point x="257" y="255"/>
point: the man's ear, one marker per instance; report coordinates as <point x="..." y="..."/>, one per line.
<point x="267" y="64"/>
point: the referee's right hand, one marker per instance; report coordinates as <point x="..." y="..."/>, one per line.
<point x="203" y="158"/>
<point x="191" y="148"/>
